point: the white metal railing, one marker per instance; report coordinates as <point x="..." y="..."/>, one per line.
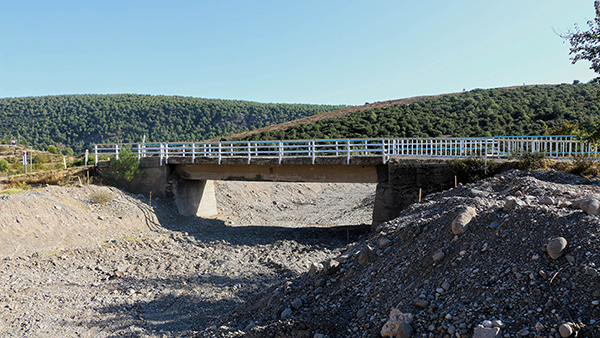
<point x="558" y="147"/>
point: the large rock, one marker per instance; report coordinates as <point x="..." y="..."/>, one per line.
<point x="512" y="203"/>
<point x="315" y="268"/>
<point x="398" y="325"/>
<point x="331" y="266"/>
<point x="486" y="332"/>
<point x="366" y="255"/>
<point x="589" y="205"/>
<point x="565" y="330"/>
<point x="461" y="221"/>
<point x="556" y="247"/>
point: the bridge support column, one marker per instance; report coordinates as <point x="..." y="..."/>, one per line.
<point x="196" y="198"/>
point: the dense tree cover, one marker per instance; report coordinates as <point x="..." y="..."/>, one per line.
<point x="77" y="121"/>
<point x="490" y="112"/>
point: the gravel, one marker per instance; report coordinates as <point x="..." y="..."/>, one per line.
<point x="486" y="281"/>
<point x="72" y="268"/>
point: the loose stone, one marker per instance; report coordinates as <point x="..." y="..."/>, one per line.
<point x="556" y="247"/>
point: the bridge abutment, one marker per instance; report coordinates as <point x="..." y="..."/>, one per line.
<point x="405" y="178"/>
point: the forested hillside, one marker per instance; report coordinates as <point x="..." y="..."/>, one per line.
<point x="528" y="110"/>
<point x="76" y="121"/>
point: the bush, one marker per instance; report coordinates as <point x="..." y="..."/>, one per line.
<point x="101" y="197"/>
<point x="585" y="166"/>
<point x="52" y="149"/>
<point x="532" y="161"/>
<point x="69" y="151"/>
<point x="4" y="166"/>
<point x="470" y="169"/>
<point x="42" y="158"/>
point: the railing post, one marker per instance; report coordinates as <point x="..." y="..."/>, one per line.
<point x="139" y="152"/>
<point x="485" y="156"/>
<point x="117" y="151"/>
<point x="383" y="149"/>
<point x="161" y="153"/>
<point x="313" y="151"/>
<point x="347" y="151"/>
<point x="166" y="153"/>
<point x="95" y="155"/>
<point x="193" y="152"/>
<point x="87" y="155"/>
<point x="219" y="152"/>
<point x="249" y="152"/>
<point x="280" y="150"/>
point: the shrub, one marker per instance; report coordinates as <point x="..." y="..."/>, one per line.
<point x="470" y="169"/>
<point x="101" y="197"/>
<point x="52" y="149"/>
<point x="4" y="166"/>
<point x="529" y="160"/>
<point x="42" y="158"/>
<point x="127" y="166"/>
<point x="585" y="166"/>
<point x="69" y="151"/>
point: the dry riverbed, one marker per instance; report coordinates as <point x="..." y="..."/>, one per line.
<point x="72" y="268"/>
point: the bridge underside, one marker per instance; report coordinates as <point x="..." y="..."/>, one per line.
<point x="400" y="182"/>
<point x="328" y="173"/>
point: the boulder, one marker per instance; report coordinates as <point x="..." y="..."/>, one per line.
<point x="331" y="266"/>
<point x="366" y="255"/>
<point x="512" y="203"/>
<point x="398" y="325"/>
<point x="461" y="221"/>
<point x="383" y="243"/>
<point x="589" y="205"/>
<point x="556" y="247"/>
<point x="486" y="332"/>
<point x="565" y="330"/>
<point x="315" y="268"/>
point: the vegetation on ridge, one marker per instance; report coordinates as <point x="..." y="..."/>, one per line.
<point x="77" y="121"/>
<point x="528" y="110"/>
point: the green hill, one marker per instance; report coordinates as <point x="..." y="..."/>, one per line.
<point x="76" y="121"/>
<point x="527" y="110"/>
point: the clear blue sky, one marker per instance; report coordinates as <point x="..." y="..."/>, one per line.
<point x="334" y="52"/>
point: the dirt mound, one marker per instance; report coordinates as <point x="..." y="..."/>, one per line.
<point x="54" y="218"/>
<point x="497" y="273"/>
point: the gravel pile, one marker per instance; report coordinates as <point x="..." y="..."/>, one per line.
<point x="516" y="255"/>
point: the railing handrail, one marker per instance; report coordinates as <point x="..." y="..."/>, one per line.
<point x="555" y="146"/>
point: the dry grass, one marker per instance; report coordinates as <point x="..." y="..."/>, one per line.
<point x="101" y="197"/>
<point x="52" y="177"/>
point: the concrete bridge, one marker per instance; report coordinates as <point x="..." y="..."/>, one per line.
<point x="402" y="168"/>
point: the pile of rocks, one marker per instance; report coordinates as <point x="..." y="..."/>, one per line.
<point x="514" y="255"/>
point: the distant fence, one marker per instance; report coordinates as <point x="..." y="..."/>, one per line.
<point x="558" y="147"/>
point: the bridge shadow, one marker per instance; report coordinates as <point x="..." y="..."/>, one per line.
<point x="213" y="230"/>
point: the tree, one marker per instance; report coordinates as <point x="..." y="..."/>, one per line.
<point x="585" y="45"/>
<point x="127" y="166"/>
